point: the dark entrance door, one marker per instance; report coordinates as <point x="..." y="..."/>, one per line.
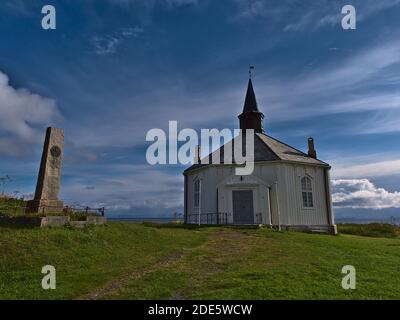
<point x="243" y="212"/>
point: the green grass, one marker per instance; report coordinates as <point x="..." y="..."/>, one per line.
<point x="130" y="261"/>
<point x="370" y="230"/>
<point x="11" y="207"/>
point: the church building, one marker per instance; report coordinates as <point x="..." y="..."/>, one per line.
<point x="288" y="189"/>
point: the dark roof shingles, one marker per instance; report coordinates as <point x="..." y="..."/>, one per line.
<point x="267" y="148"/>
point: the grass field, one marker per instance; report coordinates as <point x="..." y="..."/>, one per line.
<point x="371" y="230"/>
<point x="11" y="206"/>
<point x="131" y="261"/>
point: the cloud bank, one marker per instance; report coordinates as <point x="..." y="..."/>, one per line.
<point x="362" y="194"/>
<point x="138" y="189"/>
<point x="22" y="112"/>
<point x="376" y="169"/>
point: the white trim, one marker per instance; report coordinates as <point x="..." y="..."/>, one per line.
<point x="263" y="162"/>
<point x="257" y="182"/>
<point x="312" y="186"/>
<point x="277" y="205"/>
<point x="269" y="206"/>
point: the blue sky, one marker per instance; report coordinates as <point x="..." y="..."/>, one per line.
<point x="113" y="69"/>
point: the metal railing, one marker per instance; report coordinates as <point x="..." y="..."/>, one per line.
<point x="218" y="218"/>
<point x="85" y="209"/>
<point x="22" y="210"/>
<point x="208" y="218"/>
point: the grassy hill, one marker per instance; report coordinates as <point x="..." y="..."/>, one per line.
<point x="11" y="206"/>
<point x="130" y="261"/>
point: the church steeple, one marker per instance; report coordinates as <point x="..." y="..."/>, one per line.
<point x="251" y="117"/>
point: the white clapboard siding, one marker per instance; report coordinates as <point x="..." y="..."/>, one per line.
<point x="276" y="187"/>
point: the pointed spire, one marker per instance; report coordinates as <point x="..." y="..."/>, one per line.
<point x="250" y="103"/>
<point x="251" y="117"/>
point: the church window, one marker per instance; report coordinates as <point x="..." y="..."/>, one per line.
<point x="196" y="193"/>
<point x="306" y="191"/>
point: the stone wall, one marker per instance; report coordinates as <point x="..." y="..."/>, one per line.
<point x="54" y="221"/>
<point x="51" y="221"/>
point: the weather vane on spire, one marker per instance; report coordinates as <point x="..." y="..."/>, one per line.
<point x="250" y="70"/>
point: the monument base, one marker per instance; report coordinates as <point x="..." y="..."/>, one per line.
<point x="45" y="206"/>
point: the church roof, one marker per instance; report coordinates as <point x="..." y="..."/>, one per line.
<point x="288" y="153"/>
<point x="266" y="148"/>
<point x="250" y="103"/>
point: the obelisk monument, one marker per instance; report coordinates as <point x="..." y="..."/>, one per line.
<point x="48" y="182"/>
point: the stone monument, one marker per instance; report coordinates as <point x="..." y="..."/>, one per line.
<point x="48" y="182"/>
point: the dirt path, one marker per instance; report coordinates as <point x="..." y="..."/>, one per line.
<point x="213" y="256"/>
<point x="115" y="285"/>
<point x="222" y="248"/>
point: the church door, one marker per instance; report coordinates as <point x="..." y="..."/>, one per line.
<point x="243" y="212"/>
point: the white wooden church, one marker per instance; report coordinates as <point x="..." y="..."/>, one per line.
<point x="288" y="188"/>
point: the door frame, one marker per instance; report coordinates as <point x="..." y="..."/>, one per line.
<point x="253" y="192"/>
<point x="234" y="182"/>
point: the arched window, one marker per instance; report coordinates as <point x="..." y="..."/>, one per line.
<point x="306" y="191"/>
<point x="196" y="193"/>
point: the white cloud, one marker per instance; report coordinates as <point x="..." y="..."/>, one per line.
<point x="17" y="7"/>
<point x="300" y="24"/>
<point x="252" y="8"/>
<point x="126" y="187"/>
<point x="181" y="2"/>
<point x="328" y="13"/>
<point x="342" y="87"/>
<point x="105" y="45"/>
<point x="362" y="194"/>
<point x="353" y="70"/>
<point x="381" y="122"/>
<point x="152" y="3"/>
<point x="171" y="99"/>
<point x="376" y="169"/>
<point x="302" y="16"/>
<point x="267" y="10"/>
<point x="108" y="44"/>
<point x="21" y="112"/>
